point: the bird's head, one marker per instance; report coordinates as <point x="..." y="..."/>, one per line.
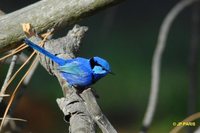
<point x="100" y="66"/>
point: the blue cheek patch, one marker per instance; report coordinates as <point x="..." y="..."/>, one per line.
<point x="98" y="70"/>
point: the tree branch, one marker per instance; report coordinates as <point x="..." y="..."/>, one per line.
<point x="96" y="113"/>
<point x="156" y="61"/>
<point x="44" y="15"/>
<point x="9" y="73"/>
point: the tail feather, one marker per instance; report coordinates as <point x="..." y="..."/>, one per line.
<point x="59" y="61"/>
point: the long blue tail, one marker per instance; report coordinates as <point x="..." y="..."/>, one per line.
<point x="59" y="61"/>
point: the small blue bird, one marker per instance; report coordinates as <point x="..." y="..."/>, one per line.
<point x="78" y="72"/>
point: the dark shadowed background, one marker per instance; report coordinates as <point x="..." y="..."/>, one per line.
<point x="125" y="35"/>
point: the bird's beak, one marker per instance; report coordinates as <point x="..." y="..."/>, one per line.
<point x="111" y="72"/>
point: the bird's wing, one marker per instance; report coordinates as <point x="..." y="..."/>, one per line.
<point x="75" y="67"/>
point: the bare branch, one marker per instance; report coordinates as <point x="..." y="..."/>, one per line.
<point x="156" y="62"/>
<point x="44" y="15"/>
<point x="76" y="114"/>
<point x="21" y="59"/>
<point x="9" y="73"/>
<point x="96" y="113"/>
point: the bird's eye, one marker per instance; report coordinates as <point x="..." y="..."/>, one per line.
<point x="104" y="69"/>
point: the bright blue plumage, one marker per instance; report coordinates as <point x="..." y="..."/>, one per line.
<point x="78" y="72"/>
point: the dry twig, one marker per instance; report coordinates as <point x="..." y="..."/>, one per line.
<point x="156" y="62"/>
<point x="9" y="73"/>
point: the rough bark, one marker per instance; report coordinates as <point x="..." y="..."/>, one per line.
<point x="44" y="15"/>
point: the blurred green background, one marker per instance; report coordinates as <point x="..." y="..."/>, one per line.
<point x="126" y="36"/>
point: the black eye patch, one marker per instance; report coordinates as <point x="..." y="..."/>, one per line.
<point x="93" y="63"/>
